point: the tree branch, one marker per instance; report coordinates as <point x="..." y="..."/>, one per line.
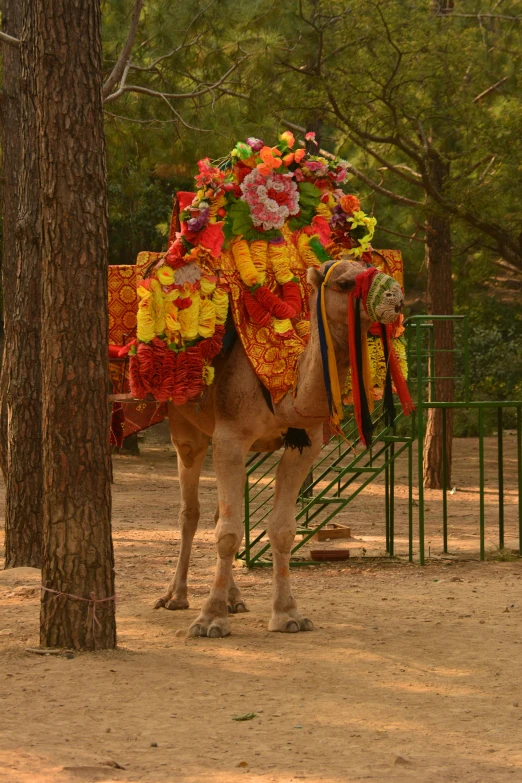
<point x="490" y="89"/>
<point x="122" y="61"/>
<point x="8" y="39"/>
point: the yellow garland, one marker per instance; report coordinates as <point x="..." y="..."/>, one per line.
<point x="217" y="204"/>
<point x="280" y="261"/>
<point x="165" y="275"/>
<point x="282" y="325"/>
<point x="244" y="263"/>
<point x="189" y="318"/>
<point x="258" y="253"/>
<point x="305" y="251"/>
<point x="207" y="318"/>
<point x="324" y="211"/>
<point x="220" y="302"/>
<point x="172" y="324"/>
<point x="207" y="286"/>
<point x="145" y="321"/>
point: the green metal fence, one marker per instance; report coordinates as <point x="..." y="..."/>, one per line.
<point x="344" y="469"/>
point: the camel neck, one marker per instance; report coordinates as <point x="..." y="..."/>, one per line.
<point x="309" y="400"/>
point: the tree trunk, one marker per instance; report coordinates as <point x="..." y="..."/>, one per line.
<point x="78" y="608"/>
<point x="22" y="312"/>
<point x="440" y="302"/>
<point x="10" y="119"/>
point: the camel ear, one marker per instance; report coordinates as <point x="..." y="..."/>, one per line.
<point x="314" y="277"/>
<point x="345" y="282"/>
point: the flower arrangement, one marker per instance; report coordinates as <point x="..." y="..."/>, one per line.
<point x="262" y="204"/>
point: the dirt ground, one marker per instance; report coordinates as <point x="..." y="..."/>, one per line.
<point x="413" y="674"/>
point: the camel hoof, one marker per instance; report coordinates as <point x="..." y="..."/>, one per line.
<point x="177" y="604"/>
<point x="160" y="603"/>
<point x="306" y="625"/>
<point x="239" y="607"/>
<point x="218" y="631"/>
<point x="196" y="630"/>
<point x="291" y="626"/>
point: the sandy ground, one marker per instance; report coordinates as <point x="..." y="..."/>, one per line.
<point x="413" y="674"/>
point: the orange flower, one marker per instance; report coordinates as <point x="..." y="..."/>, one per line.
<point x="288" y="159"/>
<point x="271" y="160"/>
<point x="350" y="204"/>
<point x="288" y="137"/>
<point x="299" y="155"/>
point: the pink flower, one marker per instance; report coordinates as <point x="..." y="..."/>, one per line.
<point x="310" y="136"/>
<point x="271" y="198"/>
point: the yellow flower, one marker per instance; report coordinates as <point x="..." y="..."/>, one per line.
<point x="165" y="275"/>
<point x="244" y="263"/>
<point x="305" y="251"/>
<point x="282" y="325"/>
<point x="258" y="253"/>
<point x="189" y="318"/>
<point x="220" y="302"/>
<point x="207" y="318"/>
<point x="207" y="285"/>
<point x="280" y="261"/>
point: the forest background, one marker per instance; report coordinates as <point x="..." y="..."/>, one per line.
<point x="422" y="98"/>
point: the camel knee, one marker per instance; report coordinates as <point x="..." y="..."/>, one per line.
<point x="282" y="539"/>
<point x="187" y="452"/>
<point x="189" y="518"/>
<point x="228" y="544"/>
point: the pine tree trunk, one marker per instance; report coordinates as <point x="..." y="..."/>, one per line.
<point x="440" y="302"/>
<point x="23" y="518"/>
<point x="10" y="119"/>
<point x="77" y="548"/>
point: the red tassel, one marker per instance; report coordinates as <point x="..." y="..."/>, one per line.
<point x="273" y="304"/>
<point x="212" y="345"/>
<point x="292" y="297"/>
<point x="356" y="381"/>
<point x="258" y="314"/>
<point x="398" y="379"/>
<point x="179" y="393"/>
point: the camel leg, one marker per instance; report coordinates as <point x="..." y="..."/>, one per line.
<point x="291" y="472"/>
<point x="191" y="447"/>
<point x="229" y="463"/>
<point x="236" y="603"/>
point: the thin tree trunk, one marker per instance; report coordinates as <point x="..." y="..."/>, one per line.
<point x="78" y="560"/>
<point x="23" y="518"/>
<point x="10" y="120"/>
<point x="440" y="302"/>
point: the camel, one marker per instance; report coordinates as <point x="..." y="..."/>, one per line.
<point x="237" y="417"/>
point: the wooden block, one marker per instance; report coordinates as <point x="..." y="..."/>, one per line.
<point x="328" y="555"/>
<point x="332" y="532"/>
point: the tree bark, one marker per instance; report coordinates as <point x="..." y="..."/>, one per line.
<point x="10" y="119"/>
<point x="22" y="312"/>
<point x="440" y="302"/>
<point x="78" y="562"/>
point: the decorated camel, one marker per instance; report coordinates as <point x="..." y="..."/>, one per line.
<point x="271" y="231"/>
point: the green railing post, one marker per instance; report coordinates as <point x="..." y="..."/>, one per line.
<point x="500" y="445"/>
<point x="481" y="482"/>
<point x="519" y="458"/>
<point x="444" y="484"/>
<point x="420" y="443"/>
<point x="387" y="499"/>
<point x="247" y="522"/>
<point x="391" y="500"/>
<point x="410" y="501"/>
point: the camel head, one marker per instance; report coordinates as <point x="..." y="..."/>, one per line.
<point x="382" y="296"/>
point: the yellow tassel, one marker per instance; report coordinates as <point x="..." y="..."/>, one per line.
<point x="208" y="374"/>
<point x="302" y="328"/>
<point x="244" y="263"/>
<point x="280" y="262"/>
<point x="366" y="372"/>
<point x="207" y="318"/>
<point x="259" y="253"/>
<point x="220" y="302"/>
